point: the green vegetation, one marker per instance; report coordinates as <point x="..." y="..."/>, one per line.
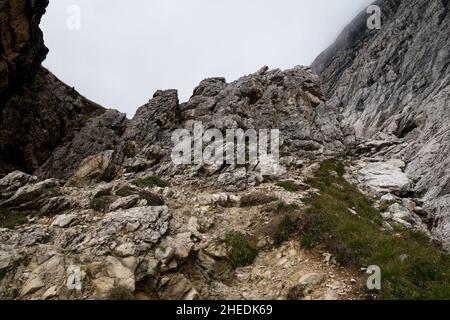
<point x="290" y="186"/>
<point x="386" y="205"/>
<point x="284" y="208"/>
<point x="256" y="199"/>
<point x="120" y="293"/>
<point x="150" y="182"/>
<point x="125" y="191"/>
<point x="101" y="203"/>
<point x="152" y="199"/>
<point x="284" y="230"/>
<point x="10" y="219"/>
<point x="2" y="275"/>
<point x="129" y="150"/>
<point x="412" y="267"/>
<point x="243" y="250"/>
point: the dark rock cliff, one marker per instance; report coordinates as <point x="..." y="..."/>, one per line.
<point x="38" y="112"/>
<point x="22" y="46"/>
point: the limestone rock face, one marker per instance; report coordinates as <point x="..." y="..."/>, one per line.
<point x="396" y="81"/>
<point x="22" y="46"/>
<point x="291" y="101"/>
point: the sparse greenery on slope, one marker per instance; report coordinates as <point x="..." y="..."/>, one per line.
<point x="412" y="267"/>
<point x="151" y="182"/>
<point x="242" y="249"/>
<point x="10" y="219"/>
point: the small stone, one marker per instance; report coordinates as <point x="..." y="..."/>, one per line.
<point x="311" y="279"/>
<point x="327" y="257"/>
<point x="63" y="220"/>
<point x="409" y="204"/>
<point x="50" y="293"/>
<point x="165" y="255"/>
<point x="125" y="250"/>
<point x="192" y="295"/>
<point x="173" y="264"/>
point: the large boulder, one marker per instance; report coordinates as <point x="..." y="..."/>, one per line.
<point x="383" y="177"/>
<point x="99" y="141"/>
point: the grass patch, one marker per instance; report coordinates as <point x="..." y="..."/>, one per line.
<point x="243" y="250"/>
<point x="386" y="205"/>
<point x="256" y="199"/>
<point x="290" y="186"/>
<point x="10" y="219"/>
<point x="120" y="293"/>
<point x="129" y="150"/>
<point x="282" y="207"/>
<point x="359" y="240"/>
<point x="153" y="200"/>
<point x="284" y="230"/>
<point x="150" y="182"/>
<point x="101" y="203"/>
<point x="125" y="191"/>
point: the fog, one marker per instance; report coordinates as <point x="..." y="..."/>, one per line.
<point x="118" y="53"/>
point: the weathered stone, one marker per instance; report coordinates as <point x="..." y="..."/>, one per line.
<point x="178" y="287"/>
<point x="50" y="293"/>
<point x="31" y="196"/>
<point x="386" y="177"/>
<point x="99" y="167"/>
<point x="64" y="220"/>
<point x="12" y="182"/>
<point x="311" y="279"/>
<point x="122" y="276"/>
<point x="103" y="284"/>
<point x="32" y="285"/>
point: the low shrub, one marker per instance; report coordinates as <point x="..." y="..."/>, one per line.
<point x="256" y="199"/>
<point x="151" y="181"/>
<point x="243" y="250"/>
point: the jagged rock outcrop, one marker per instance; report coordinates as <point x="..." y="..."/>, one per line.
<point x="22" y="46"/>
<point x="100" y="134"/>
<point x="396" y="81"/>
<point x="291" y="101"/>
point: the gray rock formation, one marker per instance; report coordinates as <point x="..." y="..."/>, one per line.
<point x="291" y="101"/>
<point x="396" y="81"/>
<point x="100" y="134"/>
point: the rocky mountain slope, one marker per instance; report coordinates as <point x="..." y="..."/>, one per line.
<point x="394" y="84"/>
<point x="102" y="211"/>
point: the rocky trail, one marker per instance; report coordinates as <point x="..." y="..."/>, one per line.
<point x="189" y="259"/>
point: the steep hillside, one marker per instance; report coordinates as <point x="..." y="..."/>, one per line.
<point x="393" y="85"/>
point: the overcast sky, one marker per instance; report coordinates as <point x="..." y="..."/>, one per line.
<point x="125" y="50"/>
